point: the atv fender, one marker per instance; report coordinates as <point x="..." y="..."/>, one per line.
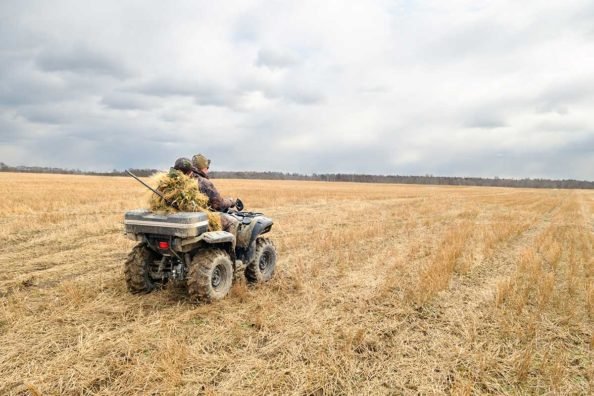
<point x="220" y="239"/>
<point x="262" y="226"/>
<point x="213" y="237"/>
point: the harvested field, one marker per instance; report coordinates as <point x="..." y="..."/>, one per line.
<point x="380" y="289"/>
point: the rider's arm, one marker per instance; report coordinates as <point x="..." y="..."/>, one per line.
<point x="214" y="198"/>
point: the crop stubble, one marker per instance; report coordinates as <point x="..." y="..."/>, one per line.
<point x="380" y="289"/>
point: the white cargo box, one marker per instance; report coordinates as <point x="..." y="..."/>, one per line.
<point x="181" y="224"/>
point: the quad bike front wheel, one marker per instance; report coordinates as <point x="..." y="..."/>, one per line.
<point x="210" y="275"/>
<point x="137" y="270"/>
<point x="263" y="265"/>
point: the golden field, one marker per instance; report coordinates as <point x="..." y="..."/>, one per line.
<point x="380" y="289"/>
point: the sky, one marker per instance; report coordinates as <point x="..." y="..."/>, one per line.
<point x="448" y="88"/>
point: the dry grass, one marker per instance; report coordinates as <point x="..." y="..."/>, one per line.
<point x="381" y="289"/>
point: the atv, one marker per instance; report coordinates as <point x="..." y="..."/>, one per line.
<point x="178" y="247"/>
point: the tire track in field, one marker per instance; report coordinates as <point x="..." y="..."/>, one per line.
<point x="41" y="269"/>
<point x="585" y="210"/>
<point x="463" y="305"/>
<point x="428" y="340"/>
<point x="470" y="310"/>
<point x="457" y="317"/>
<point x="471" y="291"/>
<point x="501" y="264"/>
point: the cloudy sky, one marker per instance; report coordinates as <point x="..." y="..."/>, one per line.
<point x="453" y="88"/>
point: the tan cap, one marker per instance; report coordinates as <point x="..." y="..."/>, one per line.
<point x="200" y="161"/>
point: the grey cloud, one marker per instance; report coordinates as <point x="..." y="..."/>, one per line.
<point x="74" y="151"/>
<point x="580" y="148"/>
<point x="28" y="78"/>
<point x="582" y="17"/>
<point x="11" y="130"/>
<point x="349" y="160"/>
<point x="491" y="162"/>
<point x="374" y="89"/>
<point x="493" y="36"/>
<point x="16" y="39"/>
<point x="290" y="90"/>
<point x="303" y="96"/>
<point x="321" y="152"/>
<point x="520" y="151"/>
<point x="164" y="88"/>
<point x="276" y="59"/>
<point x="45" y="115"/>
<point x="127" y="101"/>
<point x="118" y="128"/>
<point x="487" y="119"/>
<point x="560" y="97"/>
<point x="25" y="89"/>
<point x="312" y="160"/>
<point x="247" y="27"/>
<point x="81" y="60"/>
<point x="209" y="94"/>
<point x="203" y="94"/>
<point x="213" y="97"/>
<point x="550" y="149"/>
<point x="562" y="125"/>
<point x="485" y="162"/>
<point x="483" y="36"/>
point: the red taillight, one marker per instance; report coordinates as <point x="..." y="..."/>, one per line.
<point x="163" y="245"/>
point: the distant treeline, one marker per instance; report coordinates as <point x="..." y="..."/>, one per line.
<point x="43" y="169"/>
<point x="396" y="179"/>
<point x="336" y="177"/>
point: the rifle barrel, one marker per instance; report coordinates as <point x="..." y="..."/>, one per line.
<point x="152" y="189"/>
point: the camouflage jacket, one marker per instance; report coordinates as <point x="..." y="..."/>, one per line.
<point x="215" y="201"/>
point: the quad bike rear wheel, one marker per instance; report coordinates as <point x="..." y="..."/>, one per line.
<point x="210" y="275"/>
<point x="137" y="270"/>
<point x="263" y="265"/>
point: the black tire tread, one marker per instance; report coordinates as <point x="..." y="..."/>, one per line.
<point x="199" y="282"/>
<point x="137" y="278"/>
<point x="252" y="271"/>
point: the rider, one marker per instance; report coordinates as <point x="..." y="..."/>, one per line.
<point x="184" y="165"/>
<point x="201" y="165"/>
